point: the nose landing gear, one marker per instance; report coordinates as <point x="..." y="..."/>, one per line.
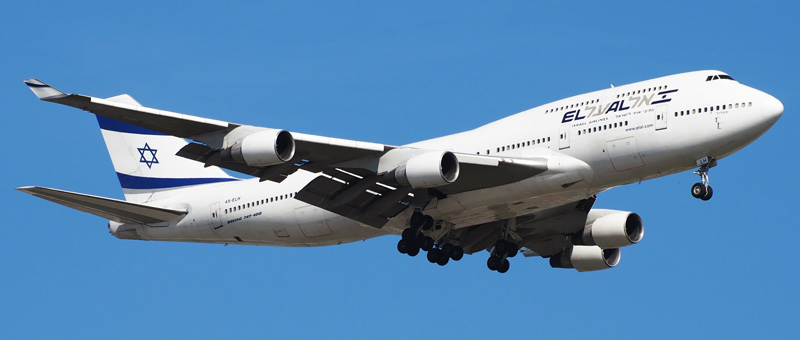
<point x="703" y="190"/>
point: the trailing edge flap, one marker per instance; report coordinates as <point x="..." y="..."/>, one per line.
<point x="359" y="195"/>
<point x="108" y="208"/>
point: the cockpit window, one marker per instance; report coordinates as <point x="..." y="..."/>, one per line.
<point x="719" y="76"/>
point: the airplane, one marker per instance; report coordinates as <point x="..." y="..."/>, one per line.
<point x="525" y="184"/>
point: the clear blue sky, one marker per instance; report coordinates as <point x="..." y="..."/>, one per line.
<point x="392" y="73"/>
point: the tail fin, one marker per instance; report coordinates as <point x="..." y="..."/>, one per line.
<point x="145" y="160"/>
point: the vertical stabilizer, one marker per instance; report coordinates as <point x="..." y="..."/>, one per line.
<point x="145" y="160"/>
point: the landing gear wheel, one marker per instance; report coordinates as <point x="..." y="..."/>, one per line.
<point x="513" y="249"/>
<point x="448" y="249"/>
<point x="409" y="234"/>
<point x="494" y="262"/>
<point x="458" y="253"/>
<point x="709" y="193"/>
<point x="501" y="247"/>
<point x="427" y="222"/>
<point x="413" y="251"/>
<point x="417" y="219"/>
<point x="427" y="244"/>
<point x="699" y="190"/>
<point x="443" y="259"/>
<point x="403" y="246"/>
<point x="504" y="266"/>
<point x="434" y="255"/>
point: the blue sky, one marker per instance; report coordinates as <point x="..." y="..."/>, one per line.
<point x="390" y="72"/>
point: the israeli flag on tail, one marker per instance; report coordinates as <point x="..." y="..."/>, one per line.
<point x="145" y="160"/>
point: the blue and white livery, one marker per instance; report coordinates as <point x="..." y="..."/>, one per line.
<point x="523" y="184"/>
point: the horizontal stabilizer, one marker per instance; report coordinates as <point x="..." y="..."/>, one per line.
<point x="108" y="208"/>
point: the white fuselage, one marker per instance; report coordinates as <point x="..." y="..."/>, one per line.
<point x="592" y="142"/>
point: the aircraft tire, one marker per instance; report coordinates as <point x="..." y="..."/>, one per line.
<point x="493" y="262"/>
<point x="403" y="246"/>
<point x="708" y="194"/>
<point x="458" y="253"/>
<point x="699" y="190"/>
<point x="427" y="222"/>
<point x="427" y="243"/>
<point x="504" y="265"/>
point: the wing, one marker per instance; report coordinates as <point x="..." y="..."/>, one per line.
<point x="315" y="152"/>
<point x="367" y="182"/>
<point x="108" y="208"/>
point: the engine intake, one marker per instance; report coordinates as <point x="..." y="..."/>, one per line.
<point x="610" y="229"/>
<point x="262" y="148"/>
<point x="586" y="258"/>
<point x="428" y="170"/>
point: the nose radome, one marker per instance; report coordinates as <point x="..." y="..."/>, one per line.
<point x="773" y="109"/>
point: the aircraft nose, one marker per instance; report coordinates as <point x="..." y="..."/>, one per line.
<point x="773" y="109"/>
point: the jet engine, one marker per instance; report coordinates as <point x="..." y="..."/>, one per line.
<point x="586" y="258"/>
<point x="263" y="148"/>
<point x="610" y="229"/>
<point x="428" y="170"/>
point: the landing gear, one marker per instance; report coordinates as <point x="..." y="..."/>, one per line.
<point x="503" y="249"/>
<point x="414" y="239"/>
<point x="703" y="190"/>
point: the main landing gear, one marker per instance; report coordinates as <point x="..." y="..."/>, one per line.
<point x="504" y="249"/>
<point x="703" y="190"/>
<point x="414" y="240"/>
<point x="499" y="259"/>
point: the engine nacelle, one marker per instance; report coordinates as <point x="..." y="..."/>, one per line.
<point x="263" y="148"/>
<point x="428" y="170"/>
<point x="610" y="229"/>
<point x="586" y="258"/>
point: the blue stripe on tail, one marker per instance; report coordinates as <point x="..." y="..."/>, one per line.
<point x="136" y="182"/>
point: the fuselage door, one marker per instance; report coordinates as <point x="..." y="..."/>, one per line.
<point x="216" y="217"/>
<point x="563" y="137"/>
<point x="661" y="117"/>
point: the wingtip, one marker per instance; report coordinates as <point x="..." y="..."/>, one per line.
<point x="42" y="90"/>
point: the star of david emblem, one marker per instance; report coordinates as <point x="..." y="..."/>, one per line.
<point x="145" y="152"/>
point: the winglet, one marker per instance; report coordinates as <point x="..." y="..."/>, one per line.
<point x="42" y="90"/>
